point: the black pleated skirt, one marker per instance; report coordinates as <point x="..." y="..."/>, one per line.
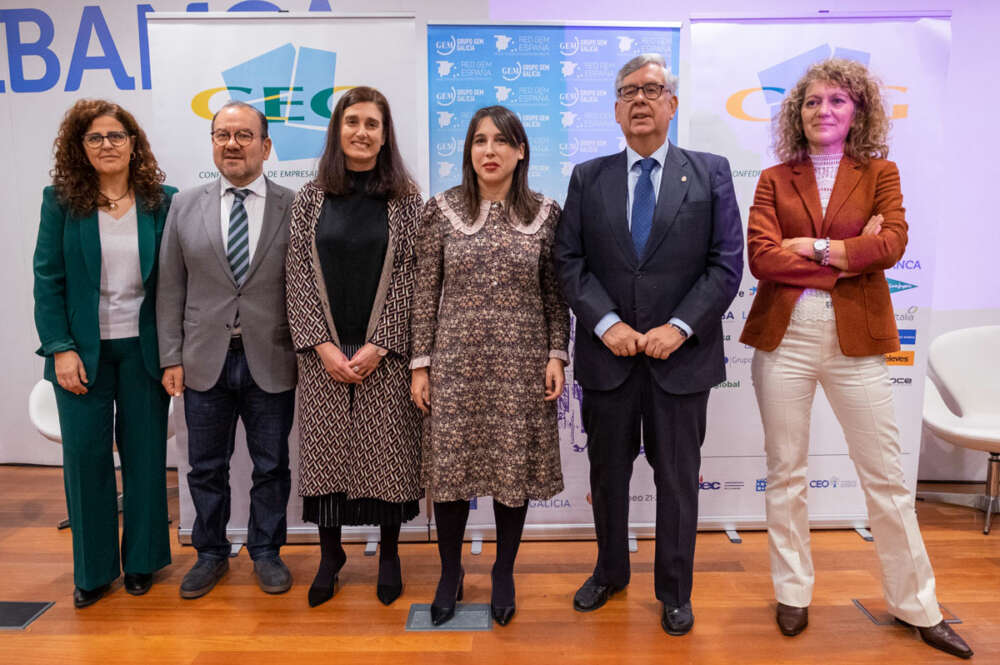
<point x="331" y="510"/>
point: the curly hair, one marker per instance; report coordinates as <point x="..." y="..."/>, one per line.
<point x="867" y="136"/>
<point x="74" y="178"/>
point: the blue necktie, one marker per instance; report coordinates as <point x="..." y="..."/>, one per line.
<point x="642" y="206"/>
<point x="238" y="250"/>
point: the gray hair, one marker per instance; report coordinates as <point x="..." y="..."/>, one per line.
<point x="640" y="61"/>
<point x="244" y="105"/>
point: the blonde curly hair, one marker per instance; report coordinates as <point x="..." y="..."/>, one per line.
<point x="869" y="130"/>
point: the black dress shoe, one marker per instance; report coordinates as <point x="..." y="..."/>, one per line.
<point x="443" y="613"/>
<point x="792" y="620"/>
<point x="83" y="598"/>
<point x="320" y="593"/>
<point x="677" y="620"/>
<point x="138" y="583"/>
<point x="942" y="636"/>
<point x="592" y="595"/>
<point x="388" y="593"/>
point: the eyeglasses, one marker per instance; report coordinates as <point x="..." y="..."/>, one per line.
<point x="244" y="137"/>
<point x="649" y="90"/>
<point x="95" y="140"/>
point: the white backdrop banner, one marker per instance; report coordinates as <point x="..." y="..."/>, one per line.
<point x="741" y="70"/>
<point x="293" y="68"/>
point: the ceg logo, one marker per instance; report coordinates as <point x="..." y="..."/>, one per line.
<point x="777" y="80"/>
<point x="293" y="87"/>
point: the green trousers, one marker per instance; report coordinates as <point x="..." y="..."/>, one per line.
<point x="127" y="408"/>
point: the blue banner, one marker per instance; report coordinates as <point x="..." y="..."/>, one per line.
<point x="558" y="79"/>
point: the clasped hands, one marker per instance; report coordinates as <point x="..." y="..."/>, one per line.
<point x="659" y="342"/>
<point x="348" y="370"/>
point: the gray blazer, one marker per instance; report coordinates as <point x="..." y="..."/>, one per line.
<point x="197" y="296"/>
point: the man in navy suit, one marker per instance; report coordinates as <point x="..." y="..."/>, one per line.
<point x="650" y="256"/>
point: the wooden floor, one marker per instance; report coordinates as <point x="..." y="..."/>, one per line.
<point x="238" y="624"/>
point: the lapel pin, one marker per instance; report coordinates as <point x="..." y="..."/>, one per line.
<point x="684" y="178"/>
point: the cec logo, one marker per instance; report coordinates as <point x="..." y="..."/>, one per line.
<point x="777" y="80"/>
<point x="705" y="485"/>
<point x="292" y="87"/>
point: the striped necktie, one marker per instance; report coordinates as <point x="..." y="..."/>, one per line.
<point x="239" y="236"/>
<point x="643" y="206"/>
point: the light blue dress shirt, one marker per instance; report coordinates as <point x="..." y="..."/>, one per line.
<point x="656" y="175"/>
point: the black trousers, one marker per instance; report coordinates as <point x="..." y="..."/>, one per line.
<point x="672" y="428"/>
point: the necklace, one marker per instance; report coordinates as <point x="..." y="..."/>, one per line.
<point x="113" y="203"/>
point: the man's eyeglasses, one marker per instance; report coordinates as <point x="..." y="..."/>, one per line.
<point x="649" y="90"/>
<point x="95" y="140"/>
<point x="244" y="137"/>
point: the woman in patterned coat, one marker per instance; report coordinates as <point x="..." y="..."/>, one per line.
<point x="490" y="330"/>
<point x="350" y="271"/>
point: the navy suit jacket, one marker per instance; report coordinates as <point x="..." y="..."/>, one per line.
<point x="691" y="267"/>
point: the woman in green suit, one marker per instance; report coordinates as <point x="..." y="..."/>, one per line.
<point x="95" y="283"/>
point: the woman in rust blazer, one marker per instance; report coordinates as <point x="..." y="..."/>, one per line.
<point x="824" y="226"/>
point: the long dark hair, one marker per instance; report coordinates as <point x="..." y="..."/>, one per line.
<point x="77" y="183"/>
<point x="391" y="179"/>
<point x="521" y="200"/>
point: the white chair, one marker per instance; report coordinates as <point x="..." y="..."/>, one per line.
<point x="45" y="417"/>
<point x="962" y="406"/>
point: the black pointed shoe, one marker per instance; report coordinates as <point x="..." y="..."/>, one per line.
<point x="83" y="598"/>
<point x="501" y="614"/>
<point x="320" y="593"/>
<point x="443" y="613"/>
<point x="388" y="593"/>
<point x="138" y="583"/>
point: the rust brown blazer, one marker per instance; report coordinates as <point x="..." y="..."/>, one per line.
<point x="786" y="205"/>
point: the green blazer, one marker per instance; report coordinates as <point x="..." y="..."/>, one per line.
<point x="67" y="267"/>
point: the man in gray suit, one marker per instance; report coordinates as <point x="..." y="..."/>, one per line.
<point x="224" y="342"/>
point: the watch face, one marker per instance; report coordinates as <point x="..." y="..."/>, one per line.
<point x="819" y="244"/>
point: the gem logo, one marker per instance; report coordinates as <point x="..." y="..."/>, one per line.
<point x="568" y="68"/>
<point x="625" y="44"/>
<point x="569" y="148"/>
<point x="570" y="47"/>
<point x="445" y="46"/>
<point x="503" y="92"/>
<point x="503" y="41"/>
<point x="445" y="168"/>
<point x="566" y="169"/>
<point x="511" y="72"/>
<point x="293" y="87"/>
<point x="900" y="358"/>
<point x="445" y="98"/>
<point x="444" y="67"/>
<point x="568" y="118"/>
<point x="444" y="118"/>
<point x="777" y="80"/>
<point x="569" y="98"/>
<point x="896" y="286"/>
<point x="446" y="148"/>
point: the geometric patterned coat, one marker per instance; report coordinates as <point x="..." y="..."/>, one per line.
<point x="373" y="451"/>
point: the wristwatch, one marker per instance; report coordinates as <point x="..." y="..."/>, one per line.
<point x="680" y="330"/>
<point x="821" y="251"/>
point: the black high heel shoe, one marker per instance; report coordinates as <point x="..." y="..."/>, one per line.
<point x="439" y="614"/>
<point x="501" y="614"/>
<point x="388" y="593"/>
<point x="320" y="593"/>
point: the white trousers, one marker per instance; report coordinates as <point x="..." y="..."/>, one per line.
<point x="860" y="393"/>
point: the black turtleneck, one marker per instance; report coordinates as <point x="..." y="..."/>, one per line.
<point x="352" y="236"/>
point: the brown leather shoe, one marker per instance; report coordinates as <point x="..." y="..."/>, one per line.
<point x="941" y="636"/>
<point x="792" y="620"/>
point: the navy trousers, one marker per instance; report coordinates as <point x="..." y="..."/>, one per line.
<point x="211" y="420"/>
